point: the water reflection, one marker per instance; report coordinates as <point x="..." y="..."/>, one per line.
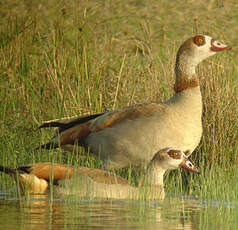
<point x="39" y="212"/>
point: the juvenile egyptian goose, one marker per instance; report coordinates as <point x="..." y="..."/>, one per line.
<point x="132" y="135"/>
<point x="97" y="183"/>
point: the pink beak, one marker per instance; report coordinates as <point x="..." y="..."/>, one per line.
<point x="187" y="165"/>
<point x="217" y="46"/>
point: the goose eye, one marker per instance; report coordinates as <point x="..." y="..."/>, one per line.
<point x="199" y="40"/>
<point x="175" y="154"/>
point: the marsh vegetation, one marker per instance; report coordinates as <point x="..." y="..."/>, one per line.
<point x="70" y="58"/>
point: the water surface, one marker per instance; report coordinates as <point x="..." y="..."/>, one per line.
<point x="39" y="212"/>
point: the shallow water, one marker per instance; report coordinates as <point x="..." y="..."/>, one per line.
<point x="39" y="212"/>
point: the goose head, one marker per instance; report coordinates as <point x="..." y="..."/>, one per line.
<point x="170" y="158"/>
<point x="195" y="50"/>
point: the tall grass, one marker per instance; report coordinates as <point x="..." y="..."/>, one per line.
<point x="65" y="58"/>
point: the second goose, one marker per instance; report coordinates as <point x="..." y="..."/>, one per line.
<point x="98" y="183"/>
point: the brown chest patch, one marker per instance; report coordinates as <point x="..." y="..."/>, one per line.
<point x="184" y="84"/>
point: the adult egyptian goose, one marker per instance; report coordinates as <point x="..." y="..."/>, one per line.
<point x="98" y="183"/>
<point x="132" y="135"/>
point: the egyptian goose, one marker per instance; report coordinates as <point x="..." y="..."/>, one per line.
<point x="98" y="183"/>
<point x="132" y="135"/>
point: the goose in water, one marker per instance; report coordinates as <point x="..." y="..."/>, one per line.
<point x="98" y="183"/>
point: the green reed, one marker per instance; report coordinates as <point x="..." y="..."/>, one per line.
<point x="61" y="59"/>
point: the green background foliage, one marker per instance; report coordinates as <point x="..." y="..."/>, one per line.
<point x="69" y="58"/>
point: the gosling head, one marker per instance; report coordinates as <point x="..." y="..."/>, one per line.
<point x="171" y="158"/>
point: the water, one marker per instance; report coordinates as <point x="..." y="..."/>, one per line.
<point x="39" y="212"/>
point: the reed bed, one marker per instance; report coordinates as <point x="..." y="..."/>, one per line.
<point x="71" y="58"/>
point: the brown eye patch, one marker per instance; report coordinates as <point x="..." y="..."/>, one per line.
<point x="199" y="40"/>
<point x="175" y="154"/>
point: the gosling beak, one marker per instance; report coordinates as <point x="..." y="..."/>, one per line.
<point x="189" y="166"/>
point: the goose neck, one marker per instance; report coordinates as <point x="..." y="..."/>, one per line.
<point x="185" y="73"/>
<point x="154" y="177"/>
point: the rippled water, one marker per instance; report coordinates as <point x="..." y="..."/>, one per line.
<point x="39" y="212"/>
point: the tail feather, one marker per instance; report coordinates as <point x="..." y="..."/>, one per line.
<point x="52" y="124"/>
<point x="80" y="123"/>
<point x="7" y="170"/>
<point x="69" y="124"/>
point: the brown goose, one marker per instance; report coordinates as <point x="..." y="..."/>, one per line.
<point x="98" y="183"/>
<point x="132" y="135"/>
